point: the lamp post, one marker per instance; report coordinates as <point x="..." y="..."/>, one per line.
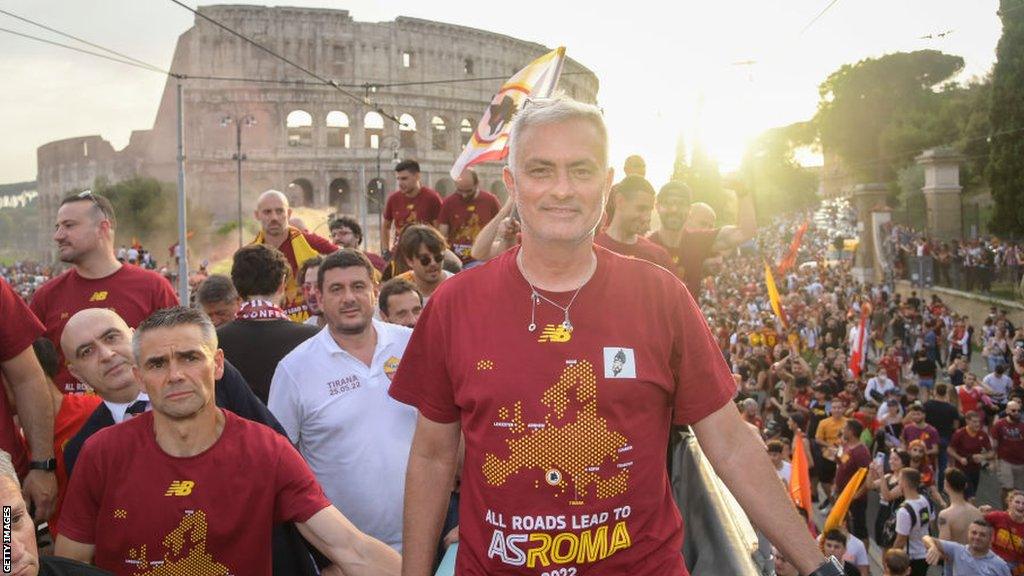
<point x="248" y="121"/>
<point x="392" y="142"/>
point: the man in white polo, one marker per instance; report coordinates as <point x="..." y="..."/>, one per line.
<point x="331" y="396"/>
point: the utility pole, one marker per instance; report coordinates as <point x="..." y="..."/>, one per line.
<point x="182" y="204"/>
<point x="248" y="121"/>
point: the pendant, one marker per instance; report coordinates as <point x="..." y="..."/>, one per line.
<point x="567" y="325"/>
<point x="532" y="327"/>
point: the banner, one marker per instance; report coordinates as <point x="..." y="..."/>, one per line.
<point x="858" y="348"/>
<point x="789" y="260"/>
<point x="800" y="476"/>
<point x="773" y="294"/>
<point x="490" y="140"/>
<point x="838" y="513"/>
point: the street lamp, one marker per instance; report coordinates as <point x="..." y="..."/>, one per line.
<point x="386" y="142"/>
<point x="248" y="121"/>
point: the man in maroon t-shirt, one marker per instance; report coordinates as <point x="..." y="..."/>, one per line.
<point x="566" y="391"/>
<point x="632" y="202"/>
<point x="188" y="488"/>
<point x="465" y="213"/>
<point x="969" y="448"/>
<point x="347" y="233"/>
<point x="27" y="381"/>
<point x="854" y="456"/>
<point x="412" y="203"/>
<point x="85" y="239"/>
<point x="273" y="214"/>
<point x="690" y="248"/>
<point x="1008" y="440"/>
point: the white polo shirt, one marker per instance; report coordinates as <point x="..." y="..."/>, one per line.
<point x="354" y="436"/>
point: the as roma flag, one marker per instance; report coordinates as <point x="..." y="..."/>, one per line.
<point x="858" y="349"/>
<point x="838" y="514"/>
<point x="773" y="294"/>
<point x="800" y="476"/>
<point x="490" y="140"/>
<point x="789" y="260"/>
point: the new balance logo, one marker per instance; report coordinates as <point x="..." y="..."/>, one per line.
<point x="180" y="488"/>
<point x="554" y="333"/>
<point x="98" y="296"/>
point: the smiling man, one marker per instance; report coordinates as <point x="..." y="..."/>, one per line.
<point x="566" y="390"/>
<point x="192" y="488"/>
<point x="423" y="247"/>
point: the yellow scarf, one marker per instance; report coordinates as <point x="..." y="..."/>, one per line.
<point x="294" y="303"/>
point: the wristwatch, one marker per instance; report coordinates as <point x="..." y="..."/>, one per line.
<point x="831" y="567"/>
<point x="44" y="465"/>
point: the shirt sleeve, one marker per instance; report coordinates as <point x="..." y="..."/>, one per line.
<point x="165" y="296"/>
<point x="948" y="548"/>
<point x="299" y="495"/>
<point x="903" y="524"/>
<point x="284" y="402"/>
<point x="82" y="499"/>
<point x="703" y="381"/>
<point x="423" y="378"/>
<point x="434" y="207"/>
<point x="319" y="243"/>
<point x="389" y="211"/>
<point x="20" y="327"/>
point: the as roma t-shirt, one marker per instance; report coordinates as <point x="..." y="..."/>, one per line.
<point x="1008" y="540"/>
<point x="465" y="219"/>
<point x="643" y="249"/>
<point x="403" y="211"/>
<point x="207" y="514"/>
<point x="18" y="330"/>
<point x="132" y="292"/>
<point x="565" y="431"/>
<point x="689" y="256"/>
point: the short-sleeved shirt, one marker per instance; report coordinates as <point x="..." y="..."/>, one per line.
<point x="402" y="211"/>
<point x="132" y="292"/>
<point x="643" y="249"/>
<point x="1008" y="540"/>
<point x="356" y="438"/>
<point x="848" y="463"/>
<point x="927" y="434"/>
<point x="565" y="431"/>
<point x="830" y="430"/>
<point x="1000" y="386"/>
<point x="915" y="528"/>
<point x="688" y="257"/>
<point x="465" y="219"/>
<point x="969" y="398"/>
<point x="18" y="330"/>
<point x="961" y="562"/>
<point x="1009" y="437"/>
<point x="210" y="513"/>
<point x="966" y="445"/>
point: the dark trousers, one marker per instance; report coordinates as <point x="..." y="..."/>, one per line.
<point x="859" y="518"/>
<point x="919" y="567"/>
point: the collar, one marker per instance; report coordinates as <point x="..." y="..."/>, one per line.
<point x="384" y="339"/>
<point x="117" y="410"/>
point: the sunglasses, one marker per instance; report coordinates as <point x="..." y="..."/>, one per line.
<point x="88" y="195"/>
<point x="426" y="258"/>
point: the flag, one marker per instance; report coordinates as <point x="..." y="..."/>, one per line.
<point x="789" y="260"/>
<point x="800" y="476"/>
<point x="858" y="349"/>
<point x="773" y="294"/>
<point x="838" y="513"/>
<point x="490" y="140"/>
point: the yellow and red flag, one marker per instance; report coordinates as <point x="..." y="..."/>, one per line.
<point x="858" y="349"/>
<point x="773" y="294"/>
<point x="800" y="476"/>
<point x="789" y="260"/>
<point x="842" y="505"/>
<point x="490" y="140"/>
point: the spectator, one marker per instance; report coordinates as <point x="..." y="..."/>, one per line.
<point x="925" y="368"/>
<point x="422" y="250"/>
<point x="973" y="558"/>
<point x="998" y="385"/>
<point x="834" y="544"/>
<point x="632" y="201"/>
<point x="913" y="520"/>
<point x="1009" y="530"/>
<point x="411" y="204"/>
<point x="347" y="233"/>
<point x="218" y="298"/>
<point x="1008" y="441"/>
<point x="400" y="302"/>
<point x="853" y="456"/>
<point x="308" y="273"/>
<point x="942" y="415"/>
<point x="956" y="518"/>
<point x="969" y="449"/>
<point x="878" y="385"/>
<point x="465" y="213"/>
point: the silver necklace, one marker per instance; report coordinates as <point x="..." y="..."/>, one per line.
<point x="536" y="297"/>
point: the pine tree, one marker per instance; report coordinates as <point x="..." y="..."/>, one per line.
<point x="1006" y="157"/>
<point x="680" y="169"/>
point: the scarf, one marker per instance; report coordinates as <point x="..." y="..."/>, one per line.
<point x="293" y="301"/>
<point x="259" y="310"/>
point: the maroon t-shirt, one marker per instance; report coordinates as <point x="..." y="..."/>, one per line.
<point x="565" y="431"/>
<point x="688" y="258"/>
<point x="847" y="465"/>
<point x="927" y="434"/>
<point x="294" y="304"/>
<point x="966" y="445"/>
<point x="132" y="292"/>
<point x="643" y="249"/>
<point x="18" y="330"/>
<point x="402" y="211"/>
<point x="207" y="514"/>
<point x="465" y="219"/>
<point x="1009" y="437"/>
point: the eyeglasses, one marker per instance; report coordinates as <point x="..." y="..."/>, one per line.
<point x="425" y="259"/>
<point x="88" y="195"/>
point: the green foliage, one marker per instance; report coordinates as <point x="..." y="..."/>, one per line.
<point x="770" y="169"/>
<point x="705" y="181"/>
<point x="877" y="113"/>
<point x="1006" y="159"/>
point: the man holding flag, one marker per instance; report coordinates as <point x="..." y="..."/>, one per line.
<point x="852" y="458"/>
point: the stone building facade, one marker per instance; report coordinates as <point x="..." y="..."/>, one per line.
<point x="320" y="146"/>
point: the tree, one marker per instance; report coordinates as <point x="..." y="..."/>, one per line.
<point x="770" y="169"/>
<point x="680" y="168"/>
<point x="1006" y="157"/>
<point x="878" y="113"/>
<point x="705" y="181"/>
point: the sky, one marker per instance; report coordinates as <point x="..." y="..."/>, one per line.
<point x="667" y="69"/>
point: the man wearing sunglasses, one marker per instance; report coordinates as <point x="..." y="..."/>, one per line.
<point x="84" y="233"/>
<point x="422" y="247"/>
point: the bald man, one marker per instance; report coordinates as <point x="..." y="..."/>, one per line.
<point x="701" y="217"/>
<point x="98" y="346"/>
<point x="635" y="166"/>
<point x="274" y="214"/>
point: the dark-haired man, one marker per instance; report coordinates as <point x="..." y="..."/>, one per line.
<point x="218" y="298"/>
<point x="261" y="334"/>
<point x="422" y="247"/>
<point x="973" y="558"/>
<point x="412" y="203"/>
<point x="171" y="488"/>
<point x="347" y="233"/>
<point x="84" y="235"/>
<point x="853" y="456"/>
<point x="331" y="396"/>
<point x="400" y="302"/>
<point x="833" y="543"/>
<point x="632" y="201"/>
<point x="465" y="213"/>
<point x="913" y="520"/>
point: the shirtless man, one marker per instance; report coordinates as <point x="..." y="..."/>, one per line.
<point x="955" y="520"/>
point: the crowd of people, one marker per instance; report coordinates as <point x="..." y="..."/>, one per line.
<point x="314" y="398"/>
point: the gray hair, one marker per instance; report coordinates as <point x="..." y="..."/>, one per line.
<point x="553" y="110"/>
<point x="172" y="317"/>
<point x="7" y="469"/>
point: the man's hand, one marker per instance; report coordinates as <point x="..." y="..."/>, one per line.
<point x="40" y="488"/>
<point x="934" y="553"/>
<point x="451" y="537"/>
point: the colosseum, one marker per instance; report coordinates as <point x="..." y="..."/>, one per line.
<point x="321" y="146"/>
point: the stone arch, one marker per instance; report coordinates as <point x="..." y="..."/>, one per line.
<point x="407" y="132"/>
<point x="373" y="127"/>
<point x="338" y="131"/>
<point x="301" y="193"/>
<point x="445" y="186"/>
<point x="341" y="197"/>
<point x="465" y="131"/>
<point x="299" y="126"/>
<point x="438" y="133"/>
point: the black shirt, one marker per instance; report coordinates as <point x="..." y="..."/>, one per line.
<point x="256" y="346"/>
<point x="943" y="416"/>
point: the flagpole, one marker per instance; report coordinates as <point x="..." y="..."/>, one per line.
<point x="182" y="225"/>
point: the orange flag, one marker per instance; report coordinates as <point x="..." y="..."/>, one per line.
<point x="800" y="476"/>
<point x="842" y="505"/>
